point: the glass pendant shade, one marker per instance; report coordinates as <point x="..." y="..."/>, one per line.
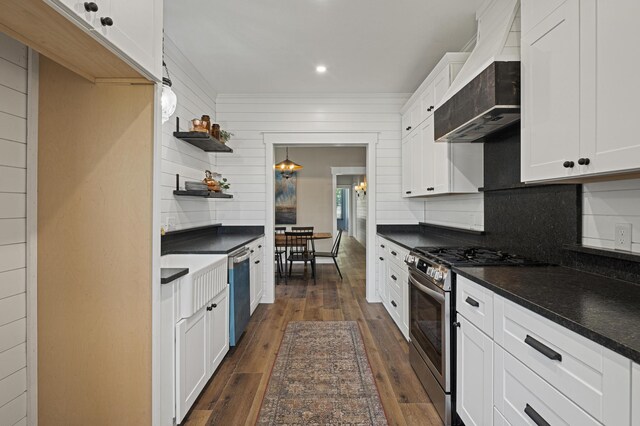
<point x="169" y="102"/>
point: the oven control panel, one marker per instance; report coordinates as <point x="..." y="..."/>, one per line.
<point x="435" y="272"/>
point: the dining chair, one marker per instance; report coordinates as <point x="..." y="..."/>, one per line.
<point x="334" y="252"/>
<point x="302" y="229"/>
<point x="279" y="249"/>
<point x="300" y="247"/>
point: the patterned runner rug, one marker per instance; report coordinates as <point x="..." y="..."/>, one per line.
<point x="322" y="376"/>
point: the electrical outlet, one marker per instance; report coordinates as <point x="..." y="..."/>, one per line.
<point x="623" y="236"/>
<point x="171" y="223"/>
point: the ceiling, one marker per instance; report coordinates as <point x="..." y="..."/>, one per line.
<point x="274" y="46"/>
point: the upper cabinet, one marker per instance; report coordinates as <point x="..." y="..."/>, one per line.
<point x="133" y="29"/>
<point x="578" y="77"/>
<point x="430" y="168"/>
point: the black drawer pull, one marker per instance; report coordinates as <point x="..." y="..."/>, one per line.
<point x="252" y="251"/>
<point x="542" y="348"/>
<point x="257" y="261"/>
<point x="408" y="192"/>
<point x="472" y="302"/>
<point x="393" y="277"/>
<point x="407" y="129"/>
<point x="394" y="253"/>
<point x="533" y="415"/>
<point x="259" y="246"/>
<point x="381" y="258"/>
<point x="395" y="305"/>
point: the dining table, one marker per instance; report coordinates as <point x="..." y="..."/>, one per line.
<point x="281" y="239"/>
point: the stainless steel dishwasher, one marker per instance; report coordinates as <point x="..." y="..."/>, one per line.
<point x="239" y="294"/>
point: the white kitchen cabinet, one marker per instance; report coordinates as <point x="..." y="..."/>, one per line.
<point x="133" y="29"/>
<point x="393" y="282"/>
<point x="192" y="368"/>
<point x="551" y="95"/>
<point x="578" y="99"/>
<point x="411" y="171"/>
<point x="217" y="330"/>
<point x="610" y="34"/>
<point x="595" y="378"/>
<point x="426" y="161"/>
<point x="256" y="273"/>
<point x="474" y="377"/>
<point x="635" y="395"/>
<point x="524" y="398"/>
<point x="441" y="84"/>
<point x="427" y="102"/>
<point x="475" y="303"/>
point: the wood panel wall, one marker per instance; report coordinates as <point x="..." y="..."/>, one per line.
<point x="94" y="250"/>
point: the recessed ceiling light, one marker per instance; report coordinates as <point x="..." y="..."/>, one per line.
<point x="321" y="69"/>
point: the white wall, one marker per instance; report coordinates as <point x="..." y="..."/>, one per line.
<point x="195" y="98"/>
<point x="459" y="211"/>
<point x="361" y="219"/>
<point x="248" y="116"/>
<point x="608" y="203"/>
<point x="13" y="188"/>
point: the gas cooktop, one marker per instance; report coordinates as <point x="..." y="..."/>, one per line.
<point x="473" y="256"/>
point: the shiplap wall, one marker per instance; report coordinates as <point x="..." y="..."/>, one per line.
<point x="248" y="116"/>
<point x="195" y="98"/>
<point x="459" y="211"/>
<point x="13" y="188"/>
<point x="608" y="203"/>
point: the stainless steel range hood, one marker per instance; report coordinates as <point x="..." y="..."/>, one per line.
<point x="485" y="96"/>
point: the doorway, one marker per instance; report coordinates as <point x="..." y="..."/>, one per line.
<point x="343" y="213"/>
<point x="367" y="140"/>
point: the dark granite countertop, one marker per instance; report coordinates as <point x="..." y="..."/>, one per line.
<point x="601" y="309"/>
<point x="168" y="275"/>
<point x="214" y="244"/>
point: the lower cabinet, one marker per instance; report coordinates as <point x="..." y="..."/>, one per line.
<point x="534" y="371"/>
<point x="256" y="273"/>
<point x="217" y="330"/>
<point x="191" y="361"/>
<point x="392" y="282"/>
<point x="201" y="342"/>
<point x="474" y="380"/>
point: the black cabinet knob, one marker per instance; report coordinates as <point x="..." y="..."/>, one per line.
<point x="568" y="164"/>
<point x="394" y="253"/>
<point x="259" y="246"/>
<point x="252" y="251"/>
<point x="456" y="324"/>
<point x="408" y="128"/>
<point x="382" y="245"/>
<point x="214" y="305"/>
<point x="395" y="305"/>
<point x="106" y="21"/>
<point x="209" y="308"/>
<point x="584" y="161"/>
<point x="382" y="258"/>
<point x="393" y="277"/>
<point x="90" y="6"/>
<point x="257" y="261"/>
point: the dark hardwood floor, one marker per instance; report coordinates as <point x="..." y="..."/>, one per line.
<point x="234" y="394"/>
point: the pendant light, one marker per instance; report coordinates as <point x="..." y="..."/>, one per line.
<point x="287" y="167"/>
<point x="168" y="99"/>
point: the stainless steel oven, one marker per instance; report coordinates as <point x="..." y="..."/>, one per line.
<point x="430" y="311"/>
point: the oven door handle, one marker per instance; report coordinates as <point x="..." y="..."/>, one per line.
<point x="436" y="295"/>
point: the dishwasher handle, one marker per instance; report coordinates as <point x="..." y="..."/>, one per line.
<point x="240" y="256"/>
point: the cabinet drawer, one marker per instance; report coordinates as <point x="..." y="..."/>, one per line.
<point x="395" y="306"/>
<point x="396" y="254"/>
<point x="595" y="378"/>
<point x="522" y="396"/>
<point x="475" y="303"/>
<point x="396" y="277"/>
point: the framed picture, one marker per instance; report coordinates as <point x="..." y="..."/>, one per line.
<point x="286" y="199"/>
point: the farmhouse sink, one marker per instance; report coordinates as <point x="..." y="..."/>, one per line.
<point x="207" y="277"/>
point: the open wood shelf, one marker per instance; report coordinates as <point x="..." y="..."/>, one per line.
<point x="201" y="194"/>
<point x="204" y="141"/>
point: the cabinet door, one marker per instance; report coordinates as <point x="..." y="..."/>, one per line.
<point x="77" y="9"/>
<point x="474" y="383"/>
<point x="259" y="281"/>
<point x="406" y="168"/>
<point x="427" y="102"/>
<point x="441" y="168"/>
<point x="217" y="330"/>
<point x="441" y="84"/>
<point x="253" y="277"/>
<point x="427" y="160"/>
<point x="406" y="123"/>
<point x="551" y="95"/>
<point x="380" y="277"/>
<point x="616" y="32"/>
<point x="417" y="168"/>
<point x="136" y="31"/>
<point x="191" y="361"/>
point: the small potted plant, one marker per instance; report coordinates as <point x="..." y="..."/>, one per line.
<point x="225" y="136"/>
<point x="224" y="184"/>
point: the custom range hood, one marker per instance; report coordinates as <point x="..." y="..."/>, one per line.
<point x="485" y="96"/>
